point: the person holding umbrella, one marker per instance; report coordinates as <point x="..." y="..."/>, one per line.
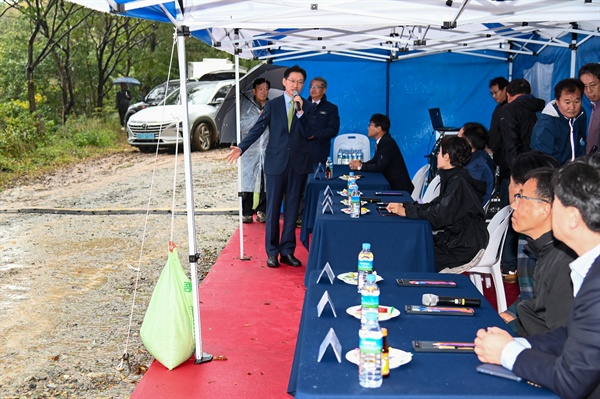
<point x="123" y="100"/>
<point x="254" y="157"/>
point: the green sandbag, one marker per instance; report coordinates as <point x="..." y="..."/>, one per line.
<point x="168" y="328"/>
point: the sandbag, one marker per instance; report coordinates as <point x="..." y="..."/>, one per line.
<point x="168" y="327"/>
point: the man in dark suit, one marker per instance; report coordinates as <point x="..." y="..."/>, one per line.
<point x="287" y="162"/>
<point x="387" y="159"/>
<point x="566" y="359"/>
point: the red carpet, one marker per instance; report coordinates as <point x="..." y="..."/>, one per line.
<point x="250" y="315"/>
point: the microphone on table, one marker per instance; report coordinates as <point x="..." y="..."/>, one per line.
<point x="297" y="103"/>
<point x="433" y="300"/>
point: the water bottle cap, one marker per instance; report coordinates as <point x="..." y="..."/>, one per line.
<point x="351" y="173"/>
<point x="371" y="316"/>
<point x="371" y="278"/>
<point x="366" y="245"/>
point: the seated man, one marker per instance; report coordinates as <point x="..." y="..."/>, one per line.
<point x="524" y="163"/>
<point x="566" y="359"/>
<point x="457" y="212"/>
<point x="480" y="166"/>
<point x="553" y="293"/>
<point x="560" y="131"/>
<point x="387" y="159"/>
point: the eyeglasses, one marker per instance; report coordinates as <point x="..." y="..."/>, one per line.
<point x="292" y="81"/>
<point x="520" y="196"/>
<point x="317" y="87"/>
<point x="372" y="124"/>
<point x="590" y="86"/>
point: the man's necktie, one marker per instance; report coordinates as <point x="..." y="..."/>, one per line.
<point x="290" y="115"/>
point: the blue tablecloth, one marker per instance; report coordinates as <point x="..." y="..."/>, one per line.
<point x="314" y="187"/>
<point x="428" y="375"/>
<point x="397" y="243"/>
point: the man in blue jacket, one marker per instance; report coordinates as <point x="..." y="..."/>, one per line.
<point x="566" y="359"/>
<point x="560" y="130"/>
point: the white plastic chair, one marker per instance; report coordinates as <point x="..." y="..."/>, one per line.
<point x="489" y="263"/>
<point x="418" y="182"/>
<point x="352" y="141"/>
<point x="432" y="191"/>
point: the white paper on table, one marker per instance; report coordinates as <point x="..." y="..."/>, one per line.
<point x="327" y="269"/>
<point x="326" y="207"/>
<point x="325" y="299"/>
<point x="331" y="339"/>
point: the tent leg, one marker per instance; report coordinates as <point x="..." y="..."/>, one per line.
<point x="205" y="358"/>
<point x="239" y="138"/>
<point x="189" y="192"/>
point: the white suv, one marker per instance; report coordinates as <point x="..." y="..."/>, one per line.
<point x="162" y="124"/>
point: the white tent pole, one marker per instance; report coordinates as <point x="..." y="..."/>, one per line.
<point x="573" y="53"/>
<point x="239" y="138"/>
<point x="189" y="193"/>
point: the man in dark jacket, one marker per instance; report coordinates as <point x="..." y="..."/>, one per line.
<point x="388" y="158"/>
<point x="553" y="293"/>
<point x="498" y="92"/>
<point x="457" y="212"/>
<point x="560" y="130"/>
<point x="323" y="122"/>
<point x="518" y="119"/>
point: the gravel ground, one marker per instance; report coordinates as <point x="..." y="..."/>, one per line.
<point x="68" y="270"/>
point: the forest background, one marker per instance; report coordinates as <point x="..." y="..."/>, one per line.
<point x="58" y="63"/>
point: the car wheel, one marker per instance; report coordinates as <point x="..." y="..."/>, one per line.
<point x="147" y="149"/>
<point x="202" y="137"/>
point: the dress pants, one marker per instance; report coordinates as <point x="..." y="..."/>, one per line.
<point x="285" y="188"/>
<point x="248" y="200"/>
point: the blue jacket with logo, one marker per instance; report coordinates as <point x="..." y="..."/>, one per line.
<point x="559" y="136"/>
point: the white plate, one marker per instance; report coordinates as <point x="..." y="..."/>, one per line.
<point x="346" y="177"/>
<point x="356" y="312"/>
<point x="345" y="202"/>
<point x="344" y="193"/>
<point x="397" y="357"/>
<point x="352" y="277"/>
<point x="363" y="211"/>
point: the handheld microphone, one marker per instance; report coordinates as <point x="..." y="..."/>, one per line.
<point x="297" y="103"/>
<point x="433" y="300"/>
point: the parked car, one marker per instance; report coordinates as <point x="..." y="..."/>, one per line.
<point x="162" y="124"/>
<point x="158" y="93"/>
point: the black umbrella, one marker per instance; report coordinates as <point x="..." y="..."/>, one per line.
<point x="126" y="80"/>
<point x="225" y="118"/>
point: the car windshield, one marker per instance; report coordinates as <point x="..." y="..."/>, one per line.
<point x="199" y="93"/>
<point x="158" y="93"/>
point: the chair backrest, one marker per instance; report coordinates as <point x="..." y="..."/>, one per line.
<point x="418" y="182"/>
<point x="497" y="229"/>
<point x="432" y="191"/>
<point x="352" y="141"/>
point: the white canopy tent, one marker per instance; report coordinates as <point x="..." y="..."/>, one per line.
<point x="379" y="31"/>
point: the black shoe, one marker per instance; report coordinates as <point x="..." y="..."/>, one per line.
<point x="299" y="222"/>
<point x="272" y="261"/>
<point x="290" y="260"/>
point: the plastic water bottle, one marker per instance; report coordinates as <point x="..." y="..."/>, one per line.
<point x="369" y="298"/>
<point x="328" y="168"/>
<point x="345" y="158"/>
<point x="365" y="265"/>
<point x="354" y="201"/>
<point x="360" y="155"/>
<point x="370" y="345"/>
<point x="340" y="156"/>
<point x="351" y="180"/>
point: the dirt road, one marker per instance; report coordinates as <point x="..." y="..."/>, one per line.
<point x="71" y="245"/>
